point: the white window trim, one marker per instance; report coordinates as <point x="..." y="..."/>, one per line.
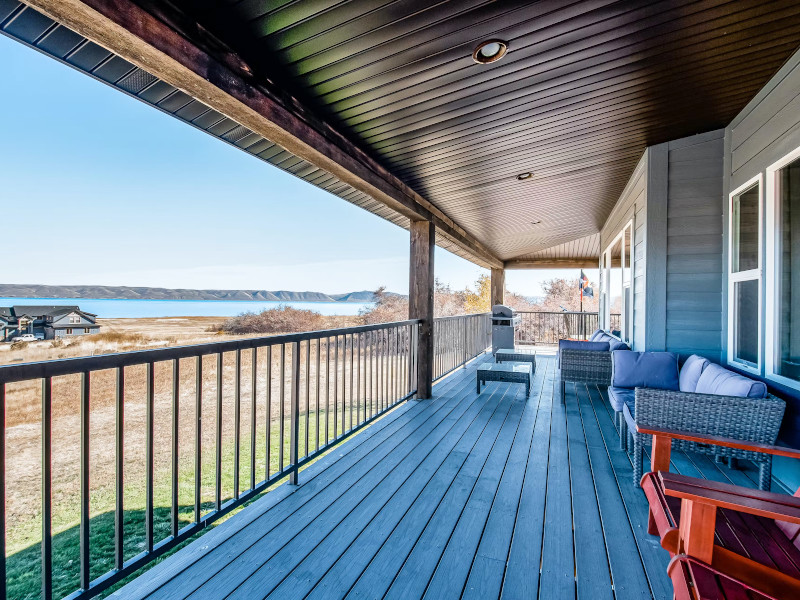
<point x="772" y="299"/>
<point x="605" y="281"/>
<point x="752" y="274"/>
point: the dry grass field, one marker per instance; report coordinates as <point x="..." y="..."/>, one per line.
<point x="119" y="335"/>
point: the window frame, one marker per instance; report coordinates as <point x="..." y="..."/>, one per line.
<point x="771" y="276"/>
<point x="605" y="281"/>
<point x="756" y="274"/>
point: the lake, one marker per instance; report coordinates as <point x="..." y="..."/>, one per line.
<point x="120" y="309"/>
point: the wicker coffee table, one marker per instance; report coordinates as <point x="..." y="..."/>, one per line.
<point x="512" y="373"/>
<point x="516" y="355"/>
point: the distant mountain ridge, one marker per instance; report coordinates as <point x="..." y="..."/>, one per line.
<point x="13" y="290"/>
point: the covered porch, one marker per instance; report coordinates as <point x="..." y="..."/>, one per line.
<point x="462" y="496"/>
<point x="631" y="137"/>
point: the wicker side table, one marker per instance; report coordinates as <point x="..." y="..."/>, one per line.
<point x="511" y="373"/>
<point x="516" y="355"/>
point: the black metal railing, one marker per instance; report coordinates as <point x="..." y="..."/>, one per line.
<point x="459" y="339"/>
<point x="549" y="327"/>
<point x="281" y="401"/>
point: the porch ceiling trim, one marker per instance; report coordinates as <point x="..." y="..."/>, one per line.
<point x="589" y="262"/>
<point x="224" y="82"/>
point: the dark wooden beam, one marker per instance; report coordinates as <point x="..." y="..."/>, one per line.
<point x="589" y="262"/>
<point x="188" y="57"/>
<point x="498" y="286"/>
<point x="420" y="300"/>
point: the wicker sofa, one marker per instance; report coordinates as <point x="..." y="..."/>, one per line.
<point x="709" y="400"/>
<point x="588" y="361"/>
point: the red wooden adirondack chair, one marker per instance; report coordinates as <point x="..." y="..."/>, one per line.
<point x="727" y="541"/>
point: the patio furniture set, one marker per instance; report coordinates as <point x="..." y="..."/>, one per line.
<point x="726" y="541"/>
<point x="512" y="365"/>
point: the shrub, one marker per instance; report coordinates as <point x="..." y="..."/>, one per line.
<point x="387" y="308"/>
<point x="283" y="319"/>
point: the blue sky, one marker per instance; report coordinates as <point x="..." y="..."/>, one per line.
<point x="100" y="188"/>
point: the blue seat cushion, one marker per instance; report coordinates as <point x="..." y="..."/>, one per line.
<point x="618" y="397"/>
<point x="629" y="411"/>
<point x="691" y="371"/>
<point x="595" y="335"/>
<point x="722" y="382"/>
<point x="657" y="370"/>
<point x="618" y="345"/>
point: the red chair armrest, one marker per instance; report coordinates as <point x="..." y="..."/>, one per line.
<point x="733" y="497"/>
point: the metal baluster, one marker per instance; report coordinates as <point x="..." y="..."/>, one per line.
<point x="308" y="390"/>
<point x="281" y="407"/>
<point x="198" y="438"/>
<point x="218" y="448"/>
<point x="253" y="387"/>
<point x="237" y="421"/>
<point x="175" y="446"/>
<point x="327" y="389"/>
<point x="149" y="460"/>
<point x="86" y="577"/>
<point x="119" y="515"/>
<point x="47" y="490"/>
<point x="316" y="405"/>
<point x="352" y="357"/>
<point x="358" y="383"/>
<point x="295" y="413"/>
<point x="335" y="386"/>
<point x="269" y="411"/>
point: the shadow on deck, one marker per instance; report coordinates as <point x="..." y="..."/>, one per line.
<point x="472" y="496"/>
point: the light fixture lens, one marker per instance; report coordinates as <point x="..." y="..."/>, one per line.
<point x="524" y="176"/>
<point x="490" y="51"/>
<point x="537" y="222"/>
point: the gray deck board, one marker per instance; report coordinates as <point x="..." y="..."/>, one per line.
<point x="464" y="496"/>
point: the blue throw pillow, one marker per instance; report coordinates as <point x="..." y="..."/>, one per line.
<point x="617" y="345"/>
<point x="597" y="333"/>
<point x="657" y="370"/>
<point x="719" y="381"/>
<point x="691" y="371"/>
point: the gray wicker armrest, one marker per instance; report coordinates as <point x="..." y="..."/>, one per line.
<point x="588" y="366"/>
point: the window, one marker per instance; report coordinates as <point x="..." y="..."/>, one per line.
<point x="69" y="330"/>
<point x="616" y="305"/>
<point x="87" y="330"/>
<point x="744" y="268"/>
<point x="783" y="270"/>
<point x="74" y="319"/>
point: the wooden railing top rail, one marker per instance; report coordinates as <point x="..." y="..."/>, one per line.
<point x="481" y="314"/>
<point x="71" y="366"/>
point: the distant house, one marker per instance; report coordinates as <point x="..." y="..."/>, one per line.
<point x="49" y="322"/>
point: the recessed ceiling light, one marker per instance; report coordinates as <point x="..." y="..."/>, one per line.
<point x="524" y="176"/>
<point x="490" y="51"/>
<point x="537" y="222"/>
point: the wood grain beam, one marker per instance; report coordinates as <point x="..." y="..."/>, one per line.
<point x="589" y="262"/>
<point x="186" y="56"/>
<point x="420" y="300"/>
<point x="498" y="286"/>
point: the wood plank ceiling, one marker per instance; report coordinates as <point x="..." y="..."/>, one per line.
<point x="584" y="89"/>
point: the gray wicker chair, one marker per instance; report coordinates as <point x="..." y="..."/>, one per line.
<point x="584" y="366"/>
<point x="747" y="419"/>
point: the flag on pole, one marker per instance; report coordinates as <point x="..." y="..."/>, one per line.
<point x="586" y="291"/>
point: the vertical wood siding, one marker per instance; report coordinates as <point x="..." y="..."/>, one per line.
<point x="695" y="246"/>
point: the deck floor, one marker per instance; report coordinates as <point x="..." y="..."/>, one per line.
<point x="462" y="496"/>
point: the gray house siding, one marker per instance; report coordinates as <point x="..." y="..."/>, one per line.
<point x="766" y="130"/>
<point x="694" y="263"/>
<point x="632" y="204"/>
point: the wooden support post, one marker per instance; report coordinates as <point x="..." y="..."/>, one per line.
<point x="420" y="304"/>
<point x="498" y="286"/>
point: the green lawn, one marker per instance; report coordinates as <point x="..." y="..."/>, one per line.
<point x="24" y="566"/>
